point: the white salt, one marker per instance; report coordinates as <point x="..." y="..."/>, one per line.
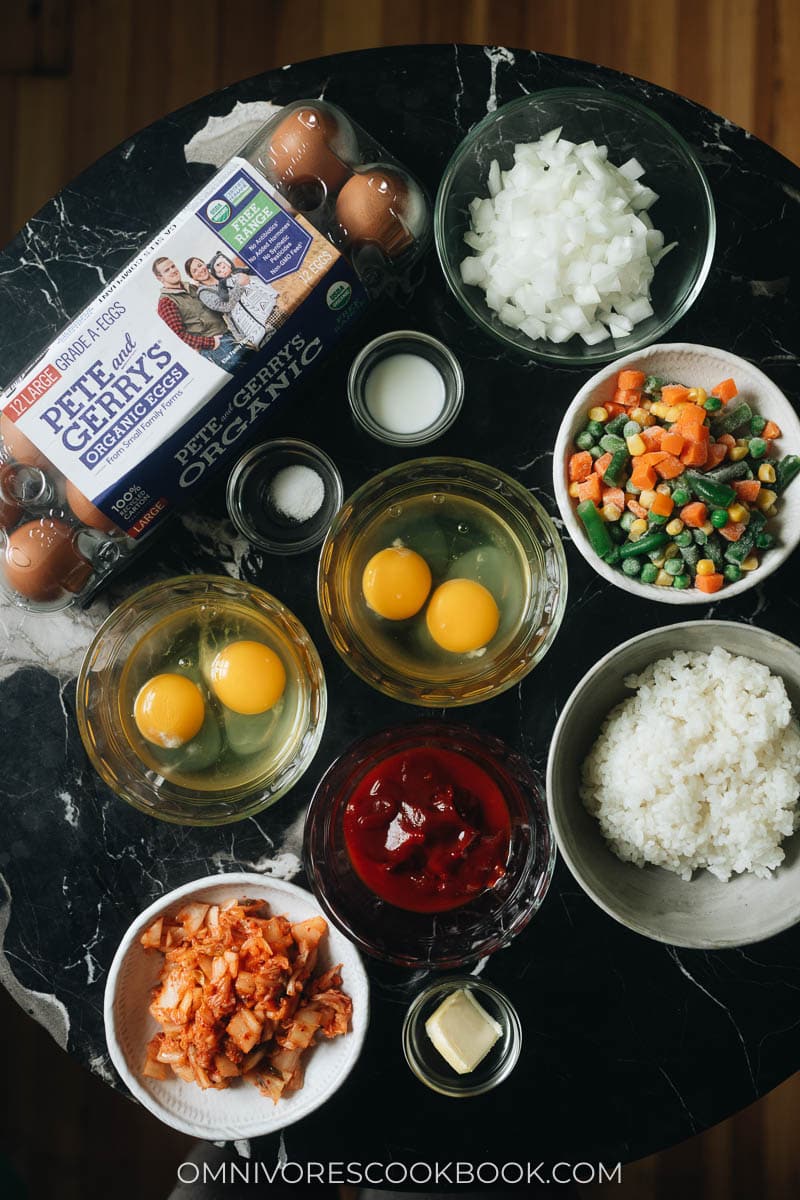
<point x="297" y="492"/>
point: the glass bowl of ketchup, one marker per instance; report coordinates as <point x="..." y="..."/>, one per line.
<point x="429" y="845"/>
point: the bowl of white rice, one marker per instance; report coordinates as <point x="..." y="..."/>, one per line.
<point x="673" y="783"/>
<point x="575" y="225"/>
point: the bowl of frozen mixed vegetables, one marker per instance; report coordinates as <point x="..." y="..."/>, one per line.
<point x="674" y="472"/>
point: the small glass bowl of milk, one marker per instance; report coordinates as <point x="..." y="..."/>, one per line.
<point x="405" y="388"/>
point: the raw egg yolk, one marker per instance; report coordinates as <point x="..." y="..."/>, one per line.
<point x="396" y="582"/>
<point x="248" y="677"/>
<point x="462" y="616"/>
<point x="169" y="710"/>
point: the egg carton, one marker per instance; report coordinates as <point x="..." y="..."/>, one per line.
<point x="163" y="379"/>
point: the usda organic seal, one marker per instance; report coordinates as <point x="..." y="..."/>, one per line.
<point x="218" y="211"/>
<point x="338" y="294"/>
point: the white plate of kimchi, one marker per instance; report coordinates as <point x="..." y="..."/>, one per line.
<point x="233" y="1009"/>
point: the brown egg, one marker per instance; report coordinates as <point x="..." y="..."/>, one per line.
<point x="373" y="206"/>
<point x="41" y="559"/>
<point x="10" y="509"/>
<point x="87" y="512"/>
<point x="303" y="149"/>
<point x="20" y="448"/>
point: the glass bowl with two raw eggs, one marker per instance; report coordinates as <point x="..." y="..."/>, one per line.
<point x="442" y="582"/>
<point x="201" y="701"/>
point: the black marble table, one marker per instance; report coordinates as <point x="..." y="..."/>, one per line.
<point x="629" y="1046"/>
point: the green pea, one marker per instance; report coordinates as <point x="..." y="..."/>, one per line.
<point x="712" y="404"/>
<point x="631" y="567"/>
<point x="757" y="424"/>
<point x="684" y="538"/>
<point x="631" y="428"/>
<point x="596" y="430"/>
<point x="732" y="572"/>
<point x="584" y="440"/>
<point x="626" y="520"/>
<point x="674" y="566"/>
<point x="682" y="581"/>
<point x="764" y="541"/>
<point x="657" y="519"/>
<point x="757" y="447"/>
<point x="719" y="517"/>
<point x="680" y="496"/>
<point x="649" y="573"/>
<point x="595" y="452"/>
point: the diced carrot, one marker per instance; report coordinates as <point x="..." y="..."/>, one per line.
<point x="652" y="437"/>
<point x="670" y="467"/>
<point x="613" y="409"/>
<point x="747" y="489"/>
<point x="716" y="453"/>
<point x="727" y="439"/>
<point x="642" y="476"/>
<point x="601" y="464"/>
<point x="695" y="454"/>
<point x="709" y="583"/>
<point x="627" y="397"/>
<point x="630" y="380"/>
<point x="725" y="390"/>
<point x="672" y="442"/>
<point x="690" y="420"/>
<point x="652" y="457"/>
<point x="580" y="466"/>
<point x="590" y="489"/>
<point x="674" y="393"/>
<point x="663" y="505"/>
<point x="614" y="495"/>
<point x="770" y="430"/>
<point x="636" y="508"/>
<point x="733" y="530"/>
<point x="694" y="514"/>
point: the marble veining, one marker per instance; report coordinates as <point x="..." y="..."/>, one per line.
<point x="615" y="1027"/>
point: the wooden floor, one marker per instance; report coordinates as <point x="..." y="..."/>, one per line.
<point x="78" y="76"/>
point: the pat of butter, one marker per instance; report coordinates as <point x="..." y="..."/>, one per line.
<point x="462" y="1031"/>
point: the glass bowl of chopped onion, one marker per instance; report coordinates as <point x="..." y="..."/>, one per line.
<point x="575" y="225"/>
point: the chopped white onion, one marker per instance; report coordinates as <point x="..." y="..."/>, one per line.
<point x="564" y="246"/>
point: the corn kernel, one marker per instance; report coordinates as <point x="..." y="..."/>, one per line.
<point x="638" y="527"/>
<point x="611" y="512"/>
<point x="743" y="442"/>
<point x="771" y="512"/>
<point x="766" y="498"/>
<point x="737" y="453"/>
<point x="647" y="497"/>
<point x="675" y="527"/>
<point x="659" y="562"/>
<point x="658" y="409"/>
<point x="598" y="414"/>
<point x="671" y="550"/>
<point x="639" y="414"/>
<point x="698" y="395"/>
<point x="705" y="567"/>
<point x="663" y="579"/>
<point x="707" y="528"/>
<point x="574" y="490"/>
<point x="766" y="473"/>
<point x="750" y="563"/>
<point x="674" y="412"/>
<point x="647" y="405"/>
<point x="738" y="512"/>
<point x="635" y="445"/>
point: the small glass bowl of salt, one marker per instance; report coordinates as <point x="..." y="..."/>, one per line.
<point x="405" y="388"/>
<point x="282" y="495"/>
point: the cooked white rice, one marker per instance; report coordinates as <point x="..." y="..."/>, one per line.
<point x="700" y="768"/>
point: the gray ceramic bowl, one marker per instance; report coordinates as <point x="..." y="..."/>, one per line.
<point x="703" y="913"/>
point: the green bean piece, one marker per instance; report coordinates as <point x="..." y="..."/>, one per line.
<point x="691" y="555"/>
<point x="709" y="491"/>
<point x="719" y="517"/>
<point x="737" y="552"/>
<point x="757" y="424"/>
<point x="681" y="496"/>
<point x="596" y="429"/>
<point x="649" y="572"/>
<point x="612" y="444"/>
<point x="595" y="452"/>
<point x="616" y="468"/>
<point x="715" y="551"/>
<point x="584" y="440"/>
<point x="728" y="472"/>
<point x="712" y="404"/>
<point x="732" y="418"/>
<point x="596" y="529"/>
<point x="653" y="384"/>
<point x="645" y="545"/>
<point x="732" y="572"/>
<point x="616" y="532"/>
<point x="674" y="566"/>
<point x="757" y="447"/>
<point x="613" y="556"/>
<point x="700" y="537"/>
<point x="786" y="470"/>
<point x="617" y="424"/>
<point x="682" y="581"/>
<point x="631" y="566"/>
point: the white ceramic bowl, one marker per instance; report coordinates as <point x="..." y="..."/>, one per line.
<point x="696" y="366"/>
<point x="239" y="1111"/>
<point x="702" y="913"/>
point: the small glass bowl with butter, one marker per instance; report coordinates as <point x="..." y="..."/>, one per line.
<point x="462" y="1036"/>
<point x="405" y="388"/>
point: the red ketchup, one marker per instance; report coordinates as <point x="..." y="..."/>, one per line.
<point x="427" y="830"/>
